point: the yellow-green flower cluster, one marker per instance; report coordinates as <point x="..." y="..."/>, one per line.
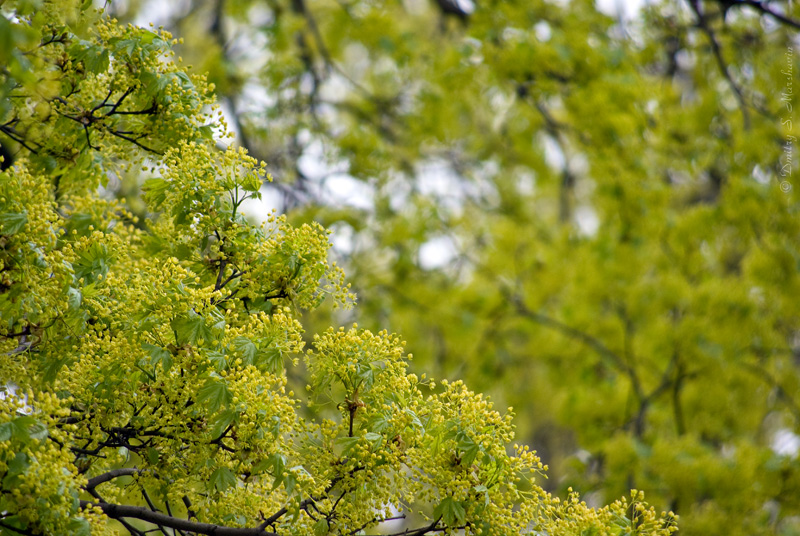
<point x="572" y="517"/>
<point x="39" y="483"/>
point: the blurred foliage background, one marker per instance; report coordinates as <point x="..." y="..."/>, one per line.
<point x="593" y="217"/>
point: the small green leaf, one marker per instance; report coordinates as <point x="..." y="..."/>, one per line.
<point x="468" y="447"/>
<point x="261" y="466"/>
<point x="246" y="349"/>
<point x="37" y="431"/>
<point x="159" y="355"/>
<point x="21" y="427"/>
<point x="222" y="479"/>
<point x="155" y="190"/>
<point x="217" y="359"/>
<point x="278" y="464"/>
<point x="321" y="527"/>
<point x="289" y="482"/>
<point x="18" y="464"/>
<point x="375" y="439"/>
<point x="215" y="394"/>
<point x="12" y="222"/>
<point x="270" y="359"/>
<point x="347" y="444"/>
<point x="79" y="526"/>
<point x="191" y="328"/>
<point x="95" y="58"/>
<point x="451" y="512"/>
<point x="125" y="46"/>
<point x="74" y="298"/>
<point x="6" y="431"/>
<point x="221" y="423"/>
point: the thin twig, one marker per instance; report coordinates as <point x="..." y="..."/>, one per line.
<point x="723" y="67"/>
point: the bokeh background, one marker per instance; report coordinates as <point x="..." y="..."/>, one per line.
<point x="587" y="210"/>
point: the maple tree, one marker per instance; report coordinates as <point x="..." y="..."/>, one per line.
<point x="146" y="358"/>
<point x="593" y="219"/>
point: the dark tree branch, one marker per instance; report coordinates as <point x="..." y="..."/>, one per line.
<point x="18" y="531"/>
<point x="283" y="511"/>
<point x="590" y="341"/>
<point x="375" y="520"/>
<point x="169" y="512"/>
<point x="222" y="264"/>
<point x="133" y="141"/>
<point x="14" y="135"/>
<point x="147" y="111"/>
<point x="702" y="23"/>
<point x="422" y="530"/>
<point x="111" y="475"/>
<point x="130" y="528"/>
<point x="762" y="8"/>
<point x="189" y="512"/>
<point x="119" y="101"/>
<point x="764" y="375"/>
<point x="105" y="101"/>
<point x="89" y="139"/>
<point x="119" y="511"/>
<point x="153" y="508"/>
<point x="299" y="6"/>
<point x="218" y="441"/>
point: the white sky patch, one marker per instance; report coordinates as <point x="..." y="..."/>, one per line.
<point x="435" y="178"/>
<point x="343" y="190"/>
<point x="400" y="187"/>
<point x="587" y="220"/>
<point x="466" y="6"/>
<point x="437" y="252"/>
<point x="761" y="175"/>
<point x="542" y="31"/>
<point x="526" y="182"/>
<point x="311" y="161"/>
<point x="158" y="12"/>
<point x="260" y="209"/>
<point x="553" y="155"/>
<point x="578" y="164"/>
<point x="343" y="238"/>
<point x="626" y="9"/>
<point x="786" y="443"/>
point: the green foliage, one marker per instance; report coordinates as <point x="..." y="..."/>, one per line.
<point x="622" y="202"/>
<point x="146" y="361"/>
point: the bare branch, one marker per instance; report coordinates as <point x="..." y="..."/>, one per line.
<point x="120" y="511"/>
<point x="422" y="530"/>
<point x="762" y="8"/>
<point x="571" y="332"/>
<point x="723" y="67"/>
<point x="111" y="475"/>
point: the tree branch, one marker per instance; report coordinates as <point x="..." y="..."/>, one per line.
<point x="283" y="511"/>
<point x="422" y="530"/>
<point x="14" y="135"/>
<point x="702" y="23"/>
<point x="119" y="511"/>
<point x="111" y="475"/>
<point x="764" y="10"/>
<point x="569" y="331"/>
<point x="18" y="531"/>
